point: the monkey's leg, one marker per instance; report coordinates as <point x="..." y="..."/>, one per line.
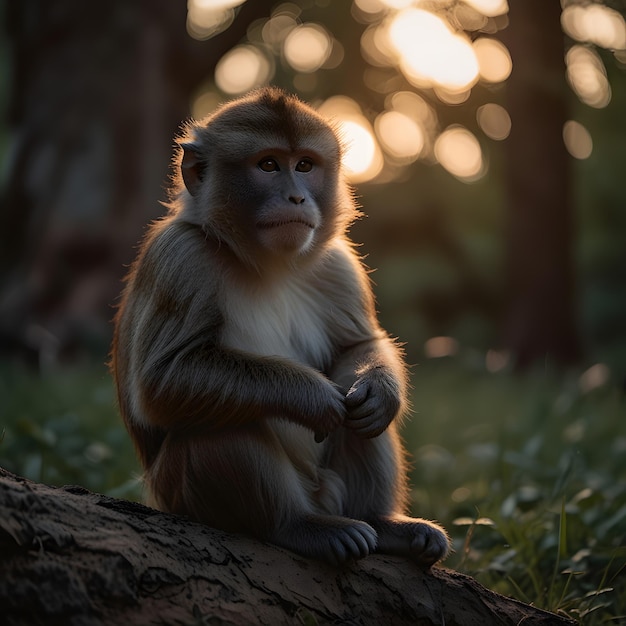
<point x="242" y="480"/>
<point x="375" y="475"/>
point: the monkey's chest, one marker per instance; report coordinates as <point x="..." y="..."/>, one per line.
<point x="290" y="322"/>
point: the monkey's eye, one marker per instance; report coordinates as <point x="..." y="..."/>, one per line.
<point x="305" y="165"/>
<point x="268" y="165"/>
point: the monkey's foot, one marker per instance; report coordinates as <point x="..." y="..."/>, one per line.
<point x="425" y="542"/>
<point x="336" y="540"/>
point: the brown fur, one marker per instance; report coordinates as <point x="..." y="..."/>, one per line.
<point x="247" y="334"/>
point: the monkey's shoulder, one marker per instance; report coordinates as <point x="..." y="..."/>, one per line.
<point x="343" y="274"/>
<point x="174" y="257"/>
<point x="173" y="242"/>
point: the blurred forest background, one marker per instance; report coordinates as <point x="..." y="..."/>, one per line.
<point x="487" y="141"/>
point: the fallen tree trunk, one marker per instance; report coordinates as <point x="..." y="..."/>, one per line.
<point x="72" y="557"/>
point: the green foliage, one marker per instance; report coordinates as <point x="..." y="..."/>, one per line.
<point x="529" y="476"/>
<point x="527" y="473"/>
<point x="63" y="428"/>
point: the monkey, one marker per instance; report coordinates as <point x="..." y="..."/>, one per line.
<point x="262" y="395"/>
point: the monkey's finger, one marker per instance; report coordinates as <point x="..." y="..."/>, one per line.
<point x="357" y="394"/>
<point x="336" y="409"/>
<point x="429" y="546"/>
<point x="373" y="404"/>
<point x="356" y="422"/>
<point x="366" y="540"/>
<point x="350" y="549"/>
<point x="368" y="426"/>
<point x="371" y="431"/>
<point x="339" y="554"/>
<point x="353" y="542"/>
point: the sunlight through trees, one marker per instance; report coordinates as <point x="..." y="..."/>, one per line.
<point x="442" y="47"/>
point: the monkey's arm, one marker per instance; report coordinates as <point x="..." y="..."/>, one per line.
<point x="369" y="367"/>
<point x="374" y="378"/>
<point x="167" y="357"/>
<point x="200" y="384"/>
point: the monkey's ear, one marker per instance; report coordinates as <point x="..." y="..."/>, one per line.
<point x="191" y="168"/>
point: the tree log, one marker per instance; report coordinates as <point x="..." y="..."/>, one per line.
<point x="72" y="557"/>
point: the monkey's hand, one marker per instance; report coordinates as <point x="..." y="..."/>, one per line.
<point x="326" y="412"/>
<point x="372" y="402"/>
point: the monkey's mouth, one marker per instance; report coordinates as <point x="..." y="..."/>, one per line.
<point x="286" y="236"/>
<point x="280" y="223"/>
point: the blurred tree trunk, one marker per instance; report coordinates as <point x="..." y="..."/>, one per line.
<point x="540" y="321"/>
<point x="98" y="91"/>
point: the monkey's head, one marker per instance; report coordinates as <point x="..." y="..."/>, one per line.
<point x="263" y="175"/>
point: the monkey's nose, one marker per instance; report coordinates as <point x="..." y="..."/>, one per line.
<point x="296" y="199"/>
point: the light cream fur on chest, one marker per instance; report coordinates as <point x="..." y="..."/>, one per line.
<point x="287" y="320"/>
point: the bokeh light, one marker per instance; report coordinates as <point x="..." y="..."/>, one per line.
<point x="494" y="59"/>
<point x="376" y="47"/>
<point x="241" y="69"/>
<point x="587" y="76"/>
<point x="577" y="140"/>
<point x="489" y="8"/>
<point x="596" y="376"/>
<point x="371" y="7"/>
<point x="216" y="5"/>
<point x="362" y="157"/>
<point x="494" y="121"/>
<point x="206" y="18"/>
<point x="439" y="347"/>
<point x="414" y="106"/>
<point x="276" y="29"/>
<point x="360" y="154"/>
<point x="458" y="151"/>
<point x="307" y="47"/>
<point x="397" y="4"/>
<point x="455" y="96"/>
<point x="595" y="23"/>
<point x="497" y="360"/>
<point x="400" y="136"/>
<point x="430" y="53"/>
<point x="204" y="103"/>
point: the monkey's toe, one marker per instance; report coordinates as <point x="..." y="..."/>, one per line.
<point x="336" y="540"/>
<point x="430" y="544"/>
<point x="351" y="543"/>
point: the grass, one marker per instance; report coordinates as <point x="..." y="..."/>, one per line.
<point x="527" y="473"/>
<point x="63" y="428"/>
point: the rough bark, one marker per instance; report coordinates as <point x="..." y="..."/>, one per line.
<point x="71" y="557"/>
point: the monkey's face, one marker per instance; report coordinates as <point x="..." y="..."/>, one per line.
<point x="264" y="173"/>
<point x="284" y="189"/>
